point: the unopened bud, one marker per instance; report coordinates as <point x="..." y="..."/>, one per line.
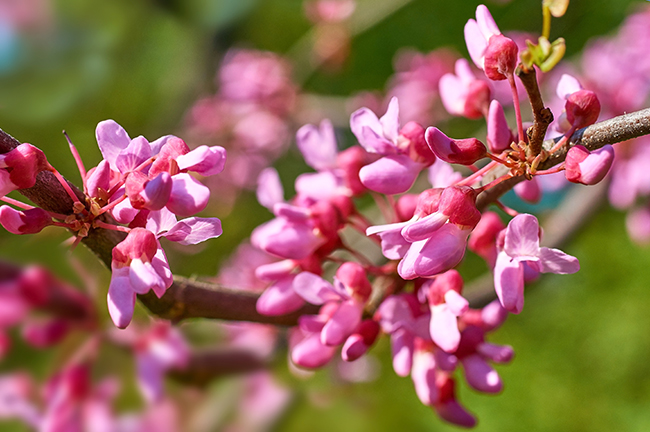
<point x="463" y="151"/>
<point x="587" y="167"/>
<point x="500" y="58"/>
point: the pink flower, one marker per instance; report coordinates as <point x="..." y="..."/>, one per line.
<point x="521" y="247"/>
<point x="446" y="304"/>
<point x="139" y="265"/>
<point x="463" y="94"/>
<point x="395" y="172"/>
<point x="349" y="293"/>
<point x="159" y="349"/>
<point x="588" y="168"/>
<point x="462" y="151"/>
<point x="19" y="167"/>
<point x="488" y="48"/>
<point x="24" y="222"/>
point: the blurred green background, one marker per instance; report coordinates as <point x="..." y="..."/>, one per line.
<point x="582" y="342"/>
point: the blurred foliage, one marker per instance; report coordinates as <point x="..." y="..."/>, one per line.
<point x="582" y="343"/>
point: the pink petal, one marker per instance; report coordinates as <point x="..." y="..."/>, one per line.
<point x="499" y="136"/>
<point x="194" y="230"/>
<point x="444" y="250"/>
<point x="269" y="188"/>
<point x="423" y="375"/>
<point x="143" y="277"/>
<point x="390" y="175"/>
<point x="509" y="283"/>
<point x="188" y="195"/>
<point x="556" y="261"/>
<point x="567" y="85"/>
<point x="341" y="325"/>
<point x="457" y="304"/>
<point x="390" y="120"/>
<point x="453" y="94"/>
<point x="137" y="152"/>
<point x="364" y="118"/>
<point x="161" y="266"/>
<point x="204" y="160"/>
<point x="476" y="42"/>
<point x="121" y="299"/>
<point x="444" y="328"/>
<point x="318" y="145"/>
<point x="424" y="228"/>
<point x="160" y="221"/>
<point x="596" y="166"/>
<point x="453" y="412"/>
<point x="319" y="186"/>
<point x="156" y="192"/>
<point x="480" y="375"/>
<point x="99" y="179"/>
<point x="279" y="299"/>
<point x="486" y="23"/>
<point x="496" y="353"/>
<point x="311" y="353"/>
<point x="150" y="377"/>
<point x="402" y="349"/>
<point x="314" y="289"/>
<point x="529" y="190"/>
<point x="522" y="236"/>
<point x="112" y="139"/>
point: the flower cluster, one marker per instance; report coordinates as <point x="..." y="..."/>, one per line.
<point x="140" y="184"/>
<point x="416" y="296"/>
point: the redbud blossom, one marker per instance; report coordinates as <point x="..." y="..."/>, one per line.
<point x="25" y="221"/>
<point x="139" y="265"/>
<point x="463" y="94"/>
<point x="588" y="168"/>
<point x="19" y="167"/>
<point x="499" y="135"/>
<point x="463" y="151"/>
<point x="488" y="48"/>
<point x="520" y="248"/>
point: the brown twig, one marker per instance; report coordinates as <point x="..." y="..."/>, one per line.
<point x="205" y="365"/>
<point x="542" y="116"/>
<point x="612" y="131"/>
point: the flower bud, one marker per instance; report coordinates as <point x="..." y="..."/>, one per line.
<point x="582" y="108"/>
<point x="360" y="341"/>
<point x="587" y="167"/>
<point x="25" y="221"/>
<point x="464" y="151"/>
<point x="500" y="58"/>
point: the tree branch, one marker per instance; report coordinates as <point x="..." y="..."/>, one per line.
<point x="542" y="116"/>
<point x="191" y="299"/>
<point x="612" y="131"/>
<point x="185" y="298"/>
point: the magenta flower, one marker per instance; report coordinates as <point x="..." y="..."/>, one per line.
<point x="463" y="151"/>
<point x="395" y="172"/>
<point x="488" y="48"/>
<point x="588" y="168"/>
<point x="25" y="221"/>
<point x="349" y="293"/>
<point x="139" y="265"/>
<point x="520" y="248"/>
<point x="159" y="349"/>
<point x="19" y="167"/>
<point x="446" y="304"/>
<point x="463" y="94"/>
